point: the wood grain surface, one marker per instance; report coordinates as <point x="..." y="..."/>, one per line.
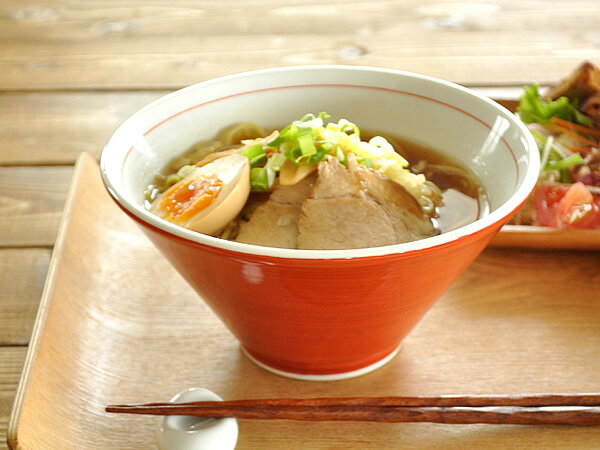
<point x="545" y="237"/>
<point x="72" y="70"/>
<point x="11" y="364"/>
<point x="22" y="277"/>
<point x="65" y="124"/>
<point x="503" y="328"/>
<point x="94" y="44"/>
<point x="31" y="202"/>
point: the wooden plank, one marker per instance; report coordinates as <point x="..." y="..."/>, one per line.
<point x="92" y="45"/>
<point x="53" y="128"/>
<point x="516" y="322"/>
<point x="22" y="277"/>
<point x="11" y="364"/>
<point x="31" y="202"/>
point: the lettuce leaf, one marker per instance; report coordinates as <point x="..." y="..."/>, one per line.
<point x="534" y="109"/>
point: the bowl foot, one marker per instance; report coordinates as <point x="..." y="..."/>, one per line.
<point x="325" y="377"/>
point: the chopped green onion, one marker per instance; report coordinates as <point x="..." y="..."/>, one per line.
<point x="546" y="152"/>
<point x="318" y="157"/>
<point x="366" y="162"/>
<point x="255" y="154"/>
<point x="276" y="161"/>
<point x="310" y="141"/>
<point x="341" y="156"/>
<point x="565" y="176"/>
<point x="327" y="146"/>
<point x="348" y="127"/>
<point x="275" y="143"/>
<point x="307" y="144"/>
<point x="574" y="160"/>
<point x="270" y="177"/>
<point x="538" y="136"/>
<point x="259" y="179"/>
<point x="291" y="131"/>
<point x="307" y="117"/>
<point x="295" y="155"/>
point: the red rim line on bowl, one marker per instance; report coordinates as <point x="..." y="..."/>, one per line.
<point x="395" y="91"/>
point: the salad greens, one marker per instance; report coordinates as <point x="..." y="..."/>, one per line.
<point x="533" y="108"/>
<point x="549" y="122"/>
<point x="566" y="195"/>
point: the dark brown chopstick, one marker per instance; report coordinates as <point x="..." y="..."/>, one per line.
<point x="552" y="409"/>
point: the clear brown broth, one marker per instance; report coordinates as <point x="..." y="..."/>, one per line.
<point x="464" y="199"/>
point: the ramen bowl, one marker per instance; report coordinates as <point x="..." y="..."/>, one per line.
<point x="324" y="314"/>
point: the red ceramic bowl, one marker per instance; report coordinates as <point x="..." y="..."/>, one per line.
<point x="327" y="314"/>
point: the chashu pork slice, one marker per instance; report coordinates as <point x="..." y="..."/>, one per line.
<point x="340" y="215"/>
<point x="343" y="223"/>
<point x="356" y="207"/>
<point x="274" y="223"/>
<point x="410" y="222"/>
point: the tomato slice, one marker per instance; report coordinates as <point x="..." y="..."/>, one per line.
<point x="563" y="206"/>
<point x="546" y="200"/>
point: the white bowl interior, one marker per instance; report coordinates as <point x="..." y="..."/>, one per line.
<point x="448" y="118"/>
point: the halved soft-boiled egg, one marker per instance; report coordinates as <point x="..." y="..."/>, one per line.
<point x="209" y="197"/>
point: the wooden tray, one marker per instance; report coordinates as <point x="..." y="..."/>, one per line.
<point x="526" y="236"/>
<point x="117" y="325"/>
<point x="530" y="236"/>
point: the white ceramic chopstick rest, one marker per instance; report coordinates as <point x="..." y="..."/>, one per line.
<point x="196" y="433"/>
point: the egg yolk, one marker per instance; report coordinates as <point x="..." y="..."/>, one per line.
<point x="187" y="199"/>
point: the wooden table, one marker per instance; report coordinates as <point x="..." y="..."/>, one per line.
<point x="70" y="72"/>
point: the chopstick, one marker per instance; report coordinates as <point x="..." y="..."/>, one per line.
<point x="535" y="409"/>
